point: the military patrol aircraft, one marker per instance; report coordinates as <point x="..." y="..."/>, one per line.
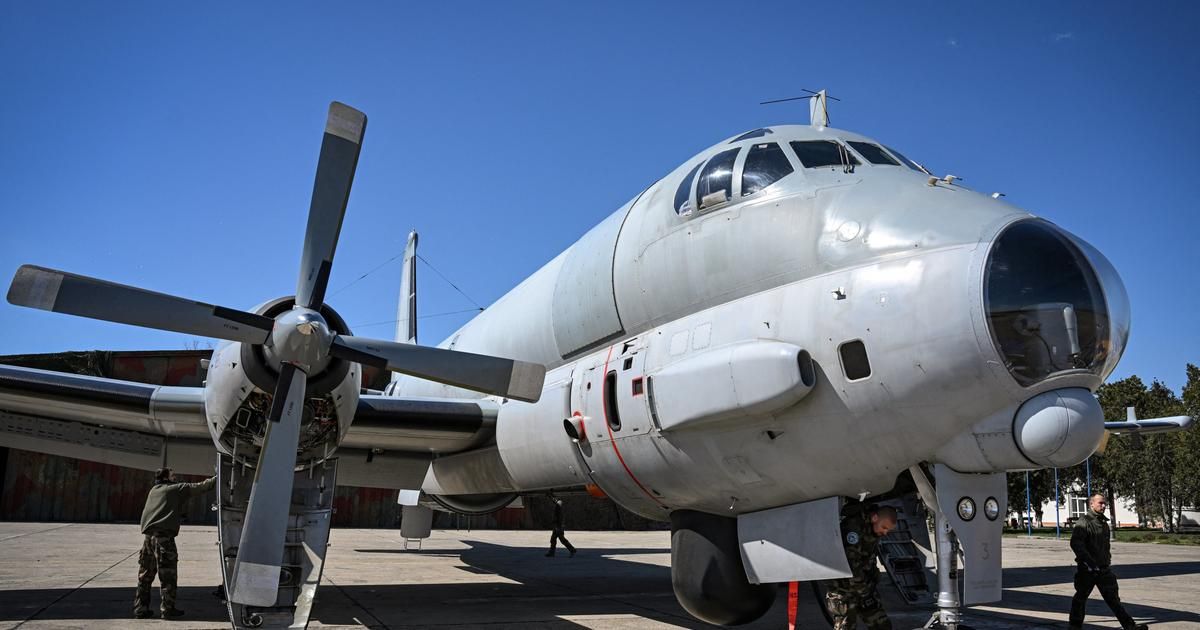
<point x="795" y="316"/>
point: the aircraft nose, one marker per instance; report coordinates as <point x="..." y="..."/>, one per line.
<point x="1054" y="304"/>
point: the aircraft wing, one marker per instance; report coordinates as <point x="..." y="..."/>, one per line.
<point x="157" y="410"/>
<point x="1151" y="425"/>
<point x="1134" y="426"/>
<point x="142" y="426"/>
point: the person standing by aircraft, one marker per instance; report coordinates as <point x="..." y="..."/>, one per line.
<point x="160" y="524"/>
<point x="858" y="595"/>
<point x="1093" y="565"/>
<point x="559" y="533"/>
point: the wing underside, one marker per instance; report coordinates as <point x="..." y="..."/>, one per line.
<point x="147" y="426"/>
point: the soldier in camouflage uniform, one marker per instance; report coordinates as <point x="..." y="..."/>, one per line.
<point x="857" y="596"/>
<point x="1093" y="560"/>
<point x="160" y="524"/>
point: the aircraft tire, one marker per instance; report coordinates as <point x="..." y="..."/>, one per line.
<point x="707" y="573"/>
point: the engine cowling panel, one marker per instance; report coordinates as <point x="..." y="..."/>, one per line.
<point x="240" y="386"/>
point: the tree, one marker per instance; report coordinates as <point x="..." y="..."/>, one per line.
<point x="1116" y="471"/>
<point x="1159" y="477"/>
<point x="1187" y="445"/>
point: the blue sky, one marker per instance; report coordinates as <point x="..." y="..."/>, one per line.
<point x="172" y="145"/>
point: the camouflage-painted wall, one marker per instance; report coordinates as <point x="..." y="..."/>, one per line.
<point x="580" y="512"/>
<point x="39" y="487"/>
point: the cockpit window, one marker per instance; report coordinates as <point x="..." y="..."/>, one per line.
<point x="684" y="194"/>
<point x="874" y="153"/>
<point x="765" y="164"/>
<point x="716" y="180"/>
<point x="816" y="153"/>
<point x="907" y="162"/>
<point x="757" y="133"/>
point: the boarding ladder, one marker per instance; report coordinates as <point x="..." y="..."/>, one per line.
<point x="906" y="552"/>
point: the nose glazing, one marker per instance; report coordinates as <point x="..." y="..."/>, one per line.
<point x="1046" y="305"/>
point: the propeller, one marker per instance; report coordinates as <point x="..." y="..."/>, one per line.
<point x="61" y="292"/>
<point x="503" y="377"/>
<point x="255" y="579"/>
<point x="331" y="192"/>
<point x="299" y="341"/>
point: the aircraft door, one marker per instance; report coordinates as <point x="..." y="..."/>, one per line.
<point x="625" y="391"/>
<point x="609" y="392"/>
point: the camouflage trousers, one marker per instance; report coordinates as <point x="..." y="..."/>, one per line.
<point x="846" y="606"/>
<point x="159" y="556"/>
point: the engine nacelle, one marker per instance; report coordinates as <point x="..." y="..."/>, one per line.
<point x="707" y="571"/>
<point x="240" y="386"/>
<point x="536" y="451"/>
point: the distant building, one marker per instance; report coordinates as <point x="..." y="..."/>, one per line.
<point x="1075" y="505"/>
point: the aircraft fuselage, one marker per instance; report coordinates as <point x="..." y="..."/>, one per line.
<point x="832" y="261"/>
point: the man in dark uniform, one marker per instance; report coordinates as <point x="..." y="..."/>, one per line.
<point x="160" y="524"/>
<point x="858" y="595"/>
<point x="1093" y="560"/>
<point x="559" y="533"/>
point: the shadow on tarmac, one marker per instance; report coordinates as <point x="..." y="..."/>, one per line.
<point x="597" y="581"/>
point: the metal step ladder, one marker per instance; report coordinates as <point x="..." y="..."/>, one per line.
<point x="307" y="539"/>
<point x="906" y="552"/>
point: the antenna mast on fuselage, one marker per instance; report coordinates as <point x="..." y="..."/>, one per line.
<point x="818" y="106"/>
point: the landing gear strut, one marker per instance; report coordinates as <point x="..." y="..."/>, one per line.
<point x="982" y="537"/>
<point x="948" y="616"/>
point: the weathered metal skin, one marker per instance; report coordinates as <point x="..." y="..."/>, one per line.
<point x="884" y="255"/>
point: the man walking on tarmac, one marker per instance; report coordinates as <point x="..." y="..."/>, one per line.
<point x="858" y="595"/>
<point x="160" y="524"/>
<point x="559" y="533"/>
<point x="1093" y="560"/>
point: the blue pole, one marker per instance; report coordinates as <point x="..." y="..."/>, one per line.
<point x="1088" y="464"/>
<point x="1057" y="527"/>
<point x="1028" y="509"/>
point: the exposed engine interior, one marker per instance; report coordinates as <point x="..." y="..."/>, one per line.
<point x="319" y="429"/>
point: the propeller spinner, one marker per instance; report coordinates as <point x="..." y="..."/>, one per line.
<point x="298" y="343"/>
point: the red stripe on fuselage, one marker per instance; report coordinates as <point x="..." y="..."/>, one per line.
<point x="613" y="440"/>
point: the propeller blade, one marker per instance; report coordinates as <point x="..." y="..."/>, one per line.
<point x="477" y="372"/>
<point x="255" y="580"/>
<point x="61" y="292"/>
<point x="331" y="191"/>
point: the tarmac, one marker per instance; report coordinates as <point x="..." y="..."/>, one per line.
<point x="60" y="575"/>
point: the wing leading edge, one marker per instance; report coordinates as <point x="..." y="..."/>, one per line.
<point x="147" y="426"/>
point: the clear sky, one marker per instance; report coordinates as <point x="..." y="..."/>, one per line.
<point x="172" y="145"/>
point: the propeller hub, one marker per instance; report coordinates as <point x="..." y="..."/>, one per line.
<point x="301" y="337"/>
